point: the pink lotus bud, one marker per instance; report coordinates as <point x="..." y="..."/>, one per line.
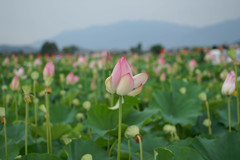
<point x="19" y="72"/>
<point x="71" y="79"/>
<point x="163" y="77"/>
<point x="104" y="53"/>
<point x="37" y="62"/>
<point x="82" y="61"/>
<point x="122" y="81"/>
<point x="229" y="84"/>
<point x="6" y="62"/>
<point x="192" y="64"/>
<point x="15" y="84"/>
<point x="75" y="64"/>
<point x="48" y="70"/>
<point x="92" y="65"/>
<point x="161" y="61"/>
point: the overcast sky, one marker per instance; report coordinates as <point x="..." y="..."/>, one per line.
<point x="26" y="21"/>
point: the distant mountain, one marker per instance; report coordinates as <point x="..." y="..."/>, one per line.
<point x="125" y="34"/>
<point x="9" y="48"/>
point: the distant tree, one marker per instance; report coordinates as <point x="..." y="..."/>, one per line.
<point x="70" y="49"/>
<point x="156" y="49"/>
<point x="137" y="49"/>
<point x="49" y="47"/>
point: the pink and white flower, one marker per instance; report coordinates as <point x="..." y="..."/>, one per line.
<point x="123" y="82"/>
<point x="48" y="70"/>
<point x="15" y="84"/>
<point x="71" y="79"/>
<point x="19" y="72"/>
<point x="229" y="84"/>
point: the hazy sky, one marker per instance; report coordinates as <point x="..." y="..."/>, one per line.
<point x="26" y="21"/>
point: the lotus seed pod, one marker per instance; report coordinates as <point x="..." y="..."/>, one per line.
<point x="42" y="93"/>
<point x="2" y="111"/>
<point x="87" y="157"/>
<point x="76" y="102"/>
<point x="48" y="81"/>
<point x="62" y="77"/>
<point x="183" y="90"/>
<point x="202" y="96"/>
<point x="36" y="100"/>
<point x="4" y="87"/>
<point x="131" y="131"/>
<point x="35" y="75"/>
<point x="62" y="92"/>
<point x="26" y="89"/>
<point x="80" y="116"/>
<point x="169" y="128"/>
<point x="87" y="105"/>
<point x="207" y="123"/>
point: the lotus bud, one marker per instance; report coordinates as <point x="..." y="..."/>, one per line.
<point x="71" y="79"/>
<point x="183" y="90"/>
<point x="6" y="62"/>
<point x="229" y="84"/>
<point x="35" y="75"/>
<point x="43" y="108"/>
<point x="87" y="157"/>
<point x="93" y="85"/>
<point x="80" y="117"/>
<point x="87" y="105"/>
<point x="202" y="96"/>
<point x="62" y="92"/>
<point x="37" y="62"/>
<point x="15" y="84"/>
<point x="207" y="122"/>
<point x="192" y="64"/>
<point x="122" y="81"/>
<point x="19" y="72"/>
<point x="48" y="81"/>
<point x="163" y="77"/>
<point x="4" y="87"/>
<point x="131" y="131"/>
<point x="2" y="111"/>
<point x="48" y="70"/>
<point x="76" y="102"/>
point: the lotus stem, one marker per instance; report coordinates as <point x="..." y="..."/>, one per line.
<point x="119" y="128"/>
<point x="5" y="137"/>
<point x="26" y="128"/>
<point x="209" y="119"/>
<point x="48" y="125"/>
<point x="129" y="149"/>
<point x="140" y="146"/>
<point x="237" y="96"/>
<point x="229" y="115"/>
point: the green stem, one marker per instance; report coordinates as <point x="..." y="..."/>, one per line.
<point x="26" y="128"/>
<point x="140" y="146"/>
<point x="119" y="128"/>
<point x="110" y="151"/>
<point x="129" y="149"/>
<point x="209" y="120"/>
<point x="5" y="136"/>
<point x="48" y="125"/>
<point x="112" y="99"/>
<point x="35" y="107"/>
<point x="237" y="96"/>
<point x="229" y="115"/>
<point x="16" y="105"/>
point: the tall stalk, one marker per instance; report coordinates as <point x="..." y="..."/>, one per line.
<point x="5" y="137"/>
<point x="229" y="115"/>
<point x="129" y="149"/>
<point x="26" y="128"/>
<point x="140" y="147"/>
<point x="237" y="95"/>
<point x="209" y="120"/>
<point x="119" y="128"/>
<point x="48" y="125"/>
<point x="35" y="106"/>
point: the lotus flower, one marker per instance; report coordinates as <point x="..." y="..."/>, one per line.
<point x="161" y="61"/>
<point x="48" y="70"/>
<point x="192" y="64"/>
<point x="229" y="84"/>
<point x="82" y="61"/>
<point x="6" y="62"/>
<point x="163" y="77"/>
<point x="71" y="79"/>
<point x="15" y="84"/>
<point x="37" y="62"/>
<point x="19" y="72"/>
<point x="122" y="81"/>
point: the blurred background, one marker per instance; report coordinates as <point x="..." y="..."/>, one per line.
<point x="116" y="26"/>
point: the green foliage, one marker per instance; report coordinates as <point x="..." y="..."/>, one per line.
<point x="156" y="49"/>
<point x="49" y="47"/>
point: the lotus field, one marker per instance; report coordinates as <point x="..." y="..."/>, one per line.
<point x="127" y="107"/>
